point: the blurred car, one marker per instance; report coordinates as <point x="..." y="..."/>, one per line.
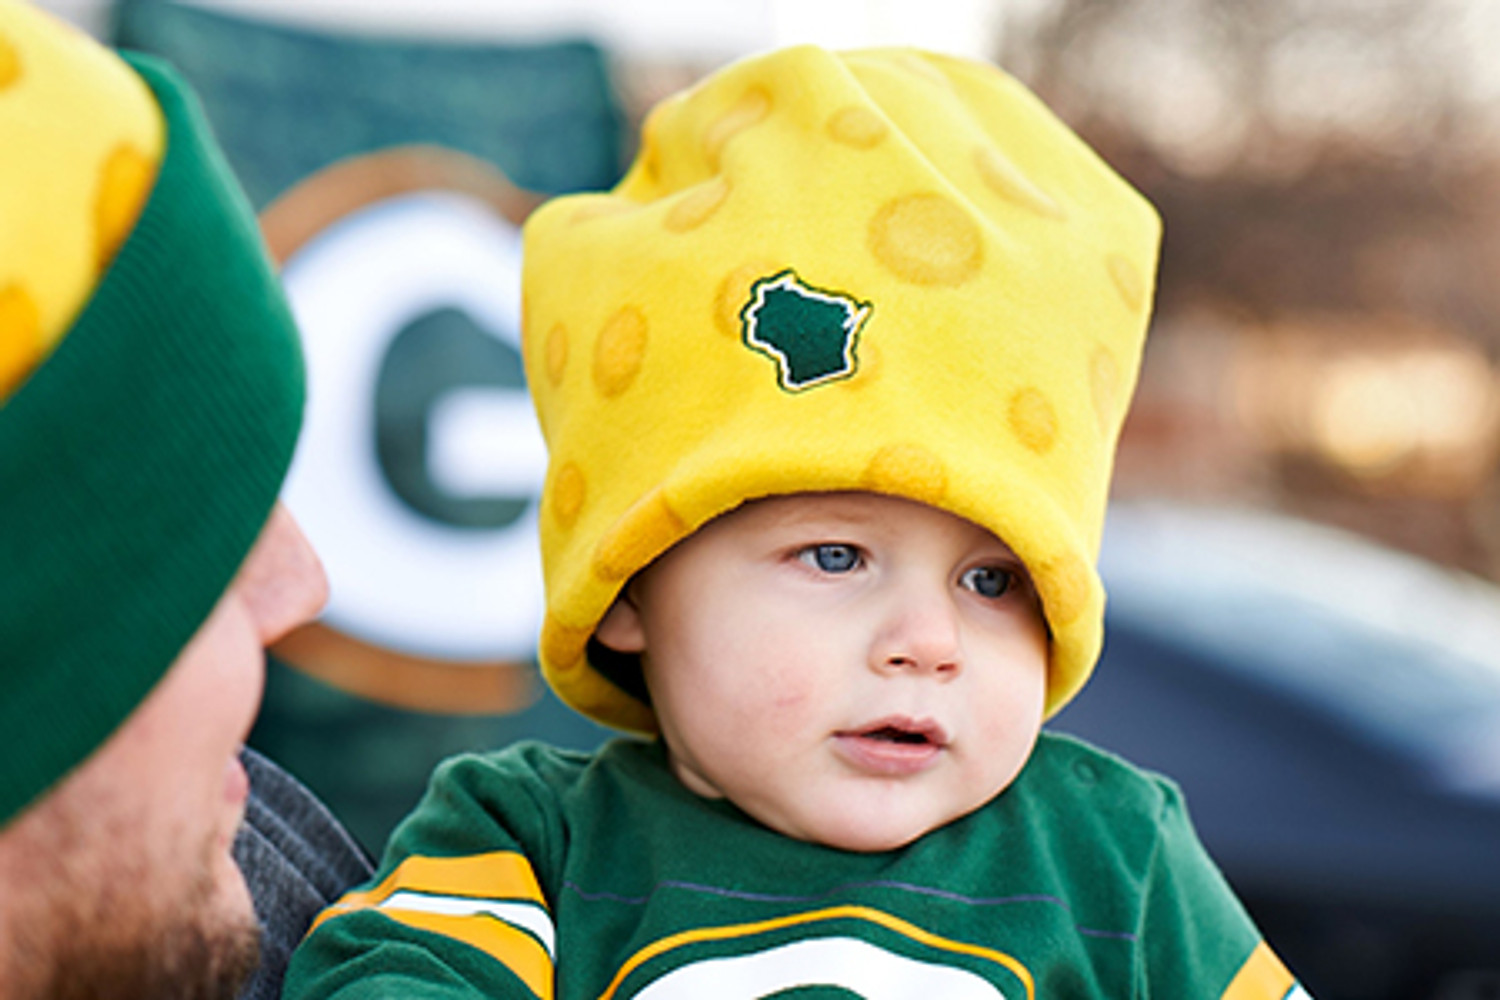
<point x="1332" y="711"/>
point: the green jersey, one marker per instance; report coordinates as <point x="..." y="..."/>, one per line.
<point x="535" y="872"/>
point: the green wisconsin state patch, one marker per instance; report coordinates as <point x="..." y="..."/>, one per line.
<point x="811" y="333"/>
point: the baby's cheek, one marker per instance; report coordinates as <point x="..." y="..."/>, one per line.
<point x="793" y="700"/>
<point x="789" y="701"/>
<point x="789" y="706"/>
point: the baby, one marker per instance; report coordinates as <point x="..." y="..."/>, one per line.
<point x="831" y="384"/>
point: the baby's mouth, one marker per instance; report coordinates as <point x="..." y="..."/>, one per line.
<point x="895" y="734"/>
<point x="901" y="730"/>
<point x="895" y="745"/>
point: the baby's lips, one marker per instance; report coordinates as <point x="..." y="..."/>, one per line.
<point x="901" y="728"/>
<point x="878" y="749"/>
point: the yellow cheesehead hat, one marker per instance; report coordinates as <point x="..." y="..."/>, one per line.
<point x="884" y="270"/>
<point x="94" y="142"/>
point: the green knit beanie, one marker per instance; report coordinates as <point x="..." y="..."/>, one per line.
<point x="140" y="458"/>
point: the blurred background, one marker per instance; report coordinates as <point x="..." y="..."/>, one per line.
<point x="1303" y="625"/>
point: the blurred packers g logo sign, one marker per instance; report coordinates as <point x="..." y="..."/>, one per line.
<point x="420" y="462"/>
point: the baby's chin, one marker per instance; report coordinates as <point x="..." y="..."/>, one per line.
<point x="847" y="817"/>
<point x="873" y="841"/>
<point x="861" y="835"/>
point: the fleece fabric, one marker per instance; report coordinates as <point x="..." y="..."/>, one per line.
<point x="538" y="873"/>
<point x="881" y="270"/>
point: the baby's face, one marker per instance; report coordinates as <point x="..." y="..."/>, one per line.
<point x="847" y="668"/>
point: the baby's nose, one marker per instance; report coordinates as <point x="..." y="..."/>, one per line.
<point x="920" y="634"/>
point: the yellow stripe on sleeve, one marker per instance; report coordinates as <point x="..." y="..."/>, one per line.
<point x="1262" y="977"/>
<point x="515" y="949"/>
<point x="497" y="875"/>
<point x="492" y="902"/>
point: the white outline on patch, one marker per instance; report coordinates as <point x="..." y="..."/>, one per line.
<point x="855" y="314"/>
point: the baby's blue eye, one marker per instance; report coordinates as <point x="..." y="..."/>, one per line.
<point x="831" y="558"/>
<point x="988" y="581"/>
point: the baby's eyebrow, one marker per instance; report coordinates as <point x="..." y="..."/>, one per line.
<point x="830" y="516"/>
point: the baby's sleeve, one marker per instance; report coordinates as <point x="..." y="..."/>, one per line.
<point x="1196" y="940"/>
<point x="457" y="908"/>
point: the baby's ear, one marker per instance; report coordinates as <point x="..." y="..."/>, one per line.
<point x="620" y="629"/>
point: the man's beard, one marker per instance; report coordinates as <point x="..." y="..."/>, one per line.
<point x="105" y="920"/>
<point x="187" y="958"/>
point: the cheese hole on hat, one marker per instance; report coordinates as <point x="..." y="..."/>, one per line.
<point x="1104" y="382"/>
<point x="1064" y="584"/>
<point x="857" y="126"/>
<point x="697" y="206"/>
<point x="1033" y="420"/>
<point x="123" y="186"/>
<point x="561" y="645"/>
<point x="749" y="110"/>
<point x="733" y="293"/>
<point x="926" y="239"/>
<point x="1128" y="281"/>
<point x="907" y="470"/>
<point x="918" y="66"/>
<point x="1007" y="180"/>
<point x="619" y="352"/>
<point x="601" y="207"/>
<point x="569" y="490"/>
<point x="20" y="337"/>
<point x="644" y="532"/>
<point x="557" y="353"/>
<point x="10" y="63"/>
